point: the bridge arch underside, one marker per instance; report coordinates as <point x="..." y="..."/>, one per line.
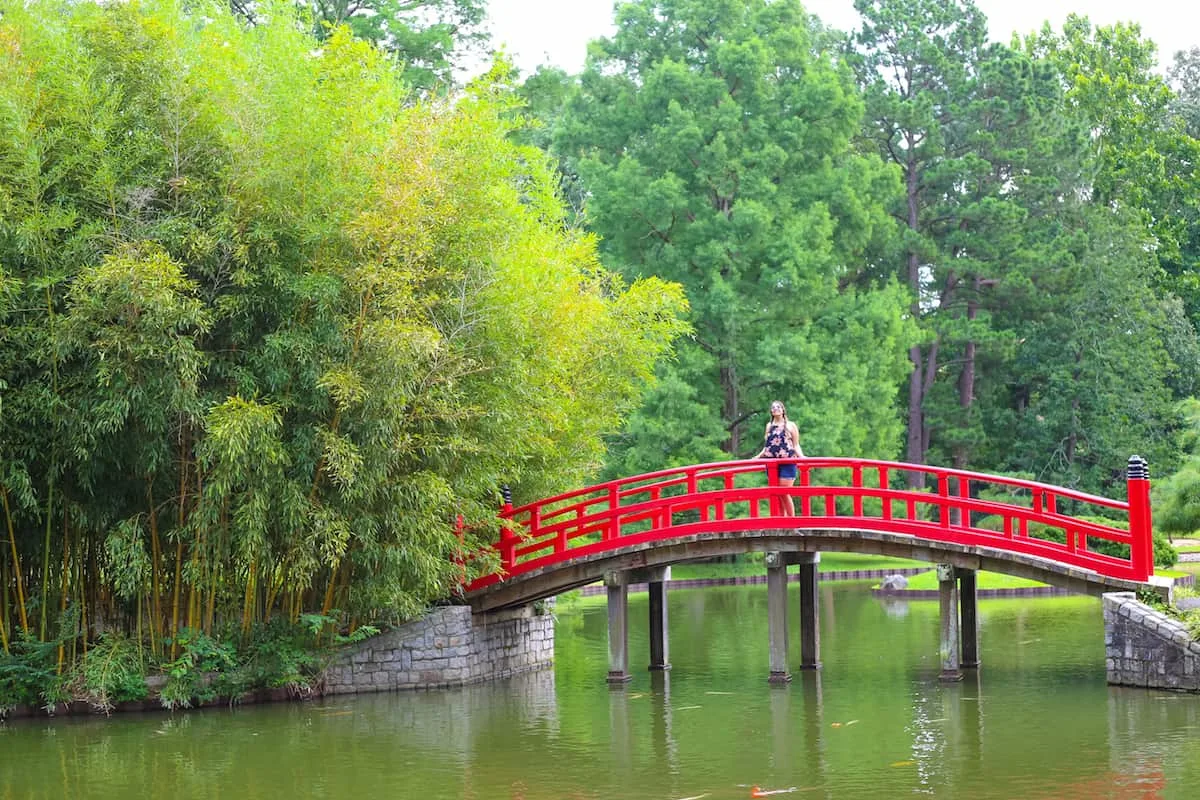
<point x="563" y="576"/>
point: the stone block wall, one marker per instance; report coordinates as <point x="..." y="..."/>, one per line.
<point x="1144" y="647"/>
<point x="448" y="647"/>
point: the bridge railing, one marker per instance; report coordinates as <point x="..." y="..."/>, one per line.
<point x="957" y="506"/>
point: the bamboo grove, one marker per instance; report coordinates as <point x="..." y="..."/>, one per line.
<point x="275" y="310"/>
<point x="269" y="323"/>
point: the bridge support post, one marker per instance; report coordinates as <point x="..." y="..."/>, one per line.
<point x="659" y="643"/>
<point x="618" y="628"/>
<point x="777" y="627"/>
<point x="968" y="617"/>
<point x="948" y="607"/>
<point x="655" y="584"/>
<point x="810" y="626"/>
<point x="655" y="579"/>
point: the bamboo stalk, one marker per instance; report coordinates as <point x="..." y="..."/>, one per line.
<point x="343" y="589"/>
<point x="248" y="600"/>
<point x="216" y="559"/>
<point x="212" y="600"/>
<point x="16" y="565"/>
<point x="53" y="465"/>
<point x="64" y="587"/>
<point x="155" y="574"/>
<point x="327" y="603"/>
<point x="83" y="598"/>
<point x="175" y="597"/>
<point x="138" y="630"/>
<point x="193" y="604"/>
<point x="180" y="519"/>
<point x="46" y="557"/>
<point x="274" y="586"/>
<point x="4" y="602"/>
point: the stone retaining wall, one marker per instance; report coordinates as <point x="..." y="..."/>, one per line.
<point x="1144" y="647"/>
<point x="448" y="647"/>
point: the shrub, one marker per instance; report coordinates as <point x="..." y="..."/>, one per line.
<point x="1165" y="554"/>
<point x="113" y="671"/>
<point x="27" y="673"/>
<point x="190" y="677"/>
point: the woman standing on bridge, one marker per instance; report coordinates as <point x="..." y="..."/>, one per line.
<point x="782" y="441"/>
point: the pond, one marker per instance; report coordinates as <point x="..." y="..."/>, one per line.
<point x="1036" y="721"/>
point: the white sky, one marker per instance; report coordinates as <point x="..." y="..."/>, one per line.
<point x="557" y="31"/>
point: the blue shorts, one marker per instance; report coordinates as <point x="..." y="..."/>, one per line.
<point x="787" y="471"/>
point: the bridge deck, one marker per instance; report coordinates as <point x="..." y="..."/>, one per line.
<point x="554" y="579"/>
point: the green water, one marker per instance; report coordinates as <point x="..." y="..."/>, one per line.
<point x="1038" y="721"/>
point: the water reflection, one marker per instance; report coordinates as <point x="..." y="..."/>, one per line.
<point x="620" y="736"/>
<point x="661" y="720"/>
<point x="809" y="685"/>
<point x="894" y="607"/>
<point x="970" y="711"/>
<point x="1037" y="721"/>
<point x="1155" y="738"/>
<point x="947" y="733"/>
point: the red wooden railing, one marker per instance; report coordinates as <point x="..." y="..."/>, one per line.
<point x="831" y="493"/>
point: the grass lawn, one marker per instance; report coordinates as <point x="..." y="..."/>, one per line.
<point x="739" y="569"/>
<point x="986" y="580"/>
<point x="830" y="562"/>
<point x="1187" y="545"/>
<point x="838" y="562"/>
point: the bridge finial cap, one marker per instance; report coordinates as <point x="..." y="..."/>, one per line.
<point x="1138" y="468"/>
<point x="506" y="493"/>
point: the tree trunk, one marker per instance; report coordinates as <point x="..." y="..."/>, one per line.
<point x="731" y="407"/>
<point x="915" y="450"/>
<point x="966" y="381"/>
<point x="1073" y="436"/>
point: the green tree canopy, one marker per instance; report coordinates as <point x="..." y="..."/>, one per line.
<point x="429" y="38"/>
<point x="1049" y="342"/>
<point x="712" y="141"/>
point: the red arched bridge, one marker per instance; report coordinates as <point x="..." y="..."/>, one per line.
<point x="1050" y="533"/>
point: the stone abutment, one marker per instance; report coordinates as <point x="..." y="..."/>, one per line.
<point x="450" y="646"/>
<point x="1144" y="647"/>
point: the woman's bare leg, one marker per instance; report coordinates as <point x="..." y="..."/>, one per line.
<point x="789" y="508"/>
